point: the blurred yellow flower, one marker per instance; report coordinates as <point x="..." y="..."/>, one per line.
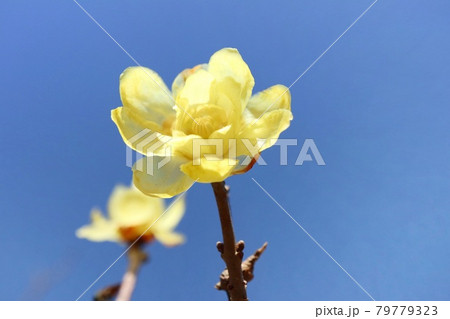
<point x="210" y="126"/>
<point x="131" y="213"/>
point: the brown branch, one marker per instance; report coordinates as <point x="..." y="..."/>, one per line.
<point x="136" y="257"/>
<point x="231" y="253"/>
<point x="247" y="269"/>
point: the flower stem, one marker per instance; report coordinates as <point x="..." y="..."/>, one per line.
<point x="136" y="257"/>
<point x="236" y="289"/>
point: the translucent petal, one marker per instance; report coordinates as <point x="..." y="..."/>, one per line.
<point x="172" y="217"/>
<point x="161" y="176"/>
<point x="100" y="229"/>
<point x="144" y="92"/>
<point x="273" y="98"/>
<point x="232" y="75"/>
<point x="140" y="134"/>
<point x="169" y="239"/>
<point x="129" y="207"/>
<point x="209" y="170"/>
<point x="181" y="78"/>
<point x="264" y="132"/>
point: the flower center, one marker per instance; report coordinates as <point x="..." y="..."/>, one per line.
<point x="130" y="234"/>
<point x="207" y="119"/>
<point x="203" y="126"/>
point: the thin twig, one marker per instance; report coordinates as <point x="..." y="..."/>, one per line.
<point x="231" y="253"/>
<point x="136" y="257"/>
<point x="248" y="266"/>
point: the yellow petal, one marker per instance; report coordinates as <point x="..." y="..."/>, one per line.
<point x="264" y="132"/>
<point x="196" y="91"/>
<point x="194" y="146"/>
<point x="173" y="215"/>
<point x="197" y="88"/>
<point x="225" y="134"/>
<point x="140" y="134"/>
<point x="181" y="78"/>
<point x="210" y="169"/>
<point x="169" y="238"/>
<point x="267" y="114"/>
<point x="232" y="75"/>
<point x="129" y="207"/>
<point x="273" y="98"/>
<point x="183" y="145"/>
<point x="161" y="176"/>
<point x="100" y="229"/>
<point x="144" y="92"/>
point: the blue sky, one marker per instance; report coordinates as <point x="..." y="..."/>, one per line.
<point x="376" y="105"/>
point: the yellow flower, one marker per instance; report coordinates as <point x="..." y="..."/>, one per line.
<point x="131" y="213"/>
<point x="210" y="126"/>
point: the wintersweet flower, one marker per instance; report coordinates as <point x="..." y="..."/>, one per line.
<point x="131" y="213"/>
<point x="208" y="128"/>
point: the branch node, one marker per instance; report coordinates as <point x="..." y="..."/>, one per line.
<point x="240" y="246"/>
<point x="219" y="246"/>
<point x="248" y="266"/>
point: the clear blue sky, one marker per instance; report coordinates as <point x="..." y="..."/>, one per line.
<point x="377" y="106"/>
